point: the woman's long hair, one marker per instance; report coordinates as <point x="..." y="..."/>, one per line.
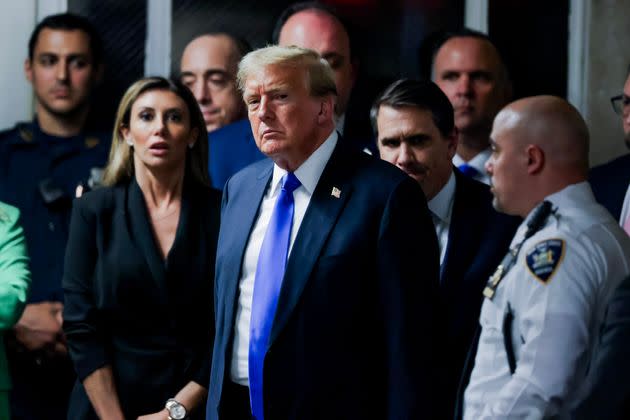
<point x="120" y="166"/>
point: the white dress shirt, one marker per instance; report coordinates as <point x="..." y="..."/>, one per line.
<point x="441" y="207"/>
<point x="308" y="174"/>
<point x="478" y="162"/>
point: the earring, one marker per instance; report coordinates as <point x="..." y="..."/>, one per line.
<point x="130" y="143"/>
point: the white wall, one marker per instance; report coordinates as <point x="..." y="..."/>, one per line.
<point x="17" y="20"/>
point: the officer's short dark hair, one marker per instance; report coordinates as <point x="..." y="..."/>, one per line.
<point x="311" y="5"/>
<point x="424" y="95"/>
<point x="69" y="22"/>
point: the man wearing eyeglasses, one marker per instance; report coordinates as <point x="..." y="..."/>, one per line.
<point x="610" y="182"/>
<point x="208" y="69"/>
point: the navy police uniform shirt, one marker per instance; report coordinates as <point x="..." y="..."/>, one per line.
<point x="40" y="174"/>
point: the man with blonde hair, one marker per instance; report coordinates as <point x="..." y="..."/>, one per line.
<point x="320" y="299"/>
<point x="545" y="303"/>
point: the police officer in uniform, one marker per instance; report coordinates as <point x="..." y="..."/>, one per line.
<point x="44" y="164"/>
<point x="545" y="303"/>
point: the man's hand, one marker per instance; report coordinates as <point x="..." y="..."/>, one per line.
<point x="160" y="415"/>
<point x="40" y="327"/>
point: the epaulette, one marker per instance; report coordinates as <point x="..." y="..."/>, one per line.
<point x="22" y="131"/>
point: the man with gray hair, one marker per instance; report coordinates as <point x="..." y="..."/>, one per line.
<point x="324" y="308"/>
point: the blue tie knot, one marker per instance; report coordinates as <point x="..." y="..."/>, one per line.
<point x="468" y="170"/>
<point x="290" y="182"/>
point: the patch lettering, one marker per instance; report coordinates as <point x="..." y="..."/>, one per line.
<point x="544" y="258"/>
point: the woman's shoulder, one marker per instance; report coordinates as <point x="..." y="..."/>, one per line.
<point x="100" y="199"/>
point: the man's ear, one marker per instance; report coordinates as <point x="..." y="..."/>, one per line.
<point x="194" y="137"/>
<point x="326" y="109"/>
<point x="535" y="159"/>
<point x="453" y="141"/>
<point x="28" y="70"/>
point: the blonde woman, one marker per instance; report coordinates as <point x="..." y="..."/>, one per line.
<point x="140" y="262"/>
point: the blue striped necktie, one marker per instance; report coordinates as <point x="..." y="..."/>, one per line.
<point x="272" y="262"/>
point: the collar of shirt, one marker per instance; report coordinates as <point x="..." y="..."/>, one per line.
<point x="311" y="170"/>
<point x="442" y="204"/>
<point x="577" y="195"/>
<point x="570" y="199"/>
<point x="478" y="162"/>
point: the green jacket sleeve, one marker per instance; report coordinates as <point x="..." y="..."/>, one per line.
<point x="15" y="276"/>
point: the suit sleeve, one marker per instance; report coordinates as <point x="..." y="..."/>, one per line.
<point x="82" y="325"/>
<point x="15" y="276"/>
<point x="609" y="394"/>
<point x="408" y="280"/>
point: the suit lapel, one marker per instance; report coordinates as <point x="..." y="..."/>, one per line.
<point x="462" y="232"/>
<point x="143" y="235"/>
<point x="243" y="213"/>
<point x="319" y="219"/>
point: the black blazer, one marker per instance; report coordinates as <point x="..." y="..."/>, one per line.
<point x="479" y="238"/>
<point x="150" y="320"/>
<point x="353" y="335"/>
<point x="610" y="184"/>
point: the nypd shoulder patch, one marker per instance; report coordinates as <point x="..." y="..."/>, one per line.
<point x="544" y="258"/>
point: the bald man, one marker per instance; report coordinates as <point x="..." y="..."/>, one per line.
<point x="319" y="28"/>
<point x="208" y="68"/>
<point x="545" y="303"/>
<point x="469" y="70"/>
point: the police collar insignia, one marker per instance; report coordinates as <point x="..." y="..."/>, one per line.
<point x="544" y="258"/>
<point x="91" y="142"/>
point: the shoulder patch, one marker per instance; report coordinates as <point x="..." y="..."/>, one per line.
<point x="544" y="258"/>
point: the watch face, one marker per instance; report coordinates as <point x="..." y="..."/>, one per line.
<point x="177" y="412"/>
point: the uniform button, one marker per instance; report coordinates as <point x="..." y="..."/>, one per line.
<point x="51" y="226"/>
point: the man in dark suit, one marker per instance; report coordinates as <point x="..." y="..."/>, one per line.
<point x="208" y="68"/>
<point x="416" y="132"/>
<point x="610" y="181"/>
<point x="327" y="265"/>
<point x="608" y="396"/>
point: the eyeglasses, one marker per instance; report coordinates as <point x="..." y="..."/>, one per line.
<point x="620" y="104"/>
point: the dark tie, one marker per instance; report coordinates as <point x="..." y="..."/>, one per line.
<point x="468" y="170"/>
<point x="272" y="261"/>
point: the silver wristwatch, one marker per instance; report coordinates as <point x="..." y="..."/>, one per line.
<point x="176" y="411"/>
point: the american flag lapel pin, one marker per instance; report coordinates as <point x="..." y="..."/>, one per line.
<point x="336" y="192"/>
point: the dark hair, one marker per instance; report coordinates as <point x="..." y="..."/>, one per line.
<point x="312" y="5"/>
<point x="424" y="95"/>
<point x="69" y="22"/>
<point x="120" y="165"/>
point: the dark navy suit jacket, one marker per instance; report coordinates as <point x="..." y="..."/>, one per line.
<point x="353" y="335"/>
<point x="609" y="397"/>
<point x="479" y="237"/>
<point x="230" y="149"/>
<point x="610" y="183"/>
